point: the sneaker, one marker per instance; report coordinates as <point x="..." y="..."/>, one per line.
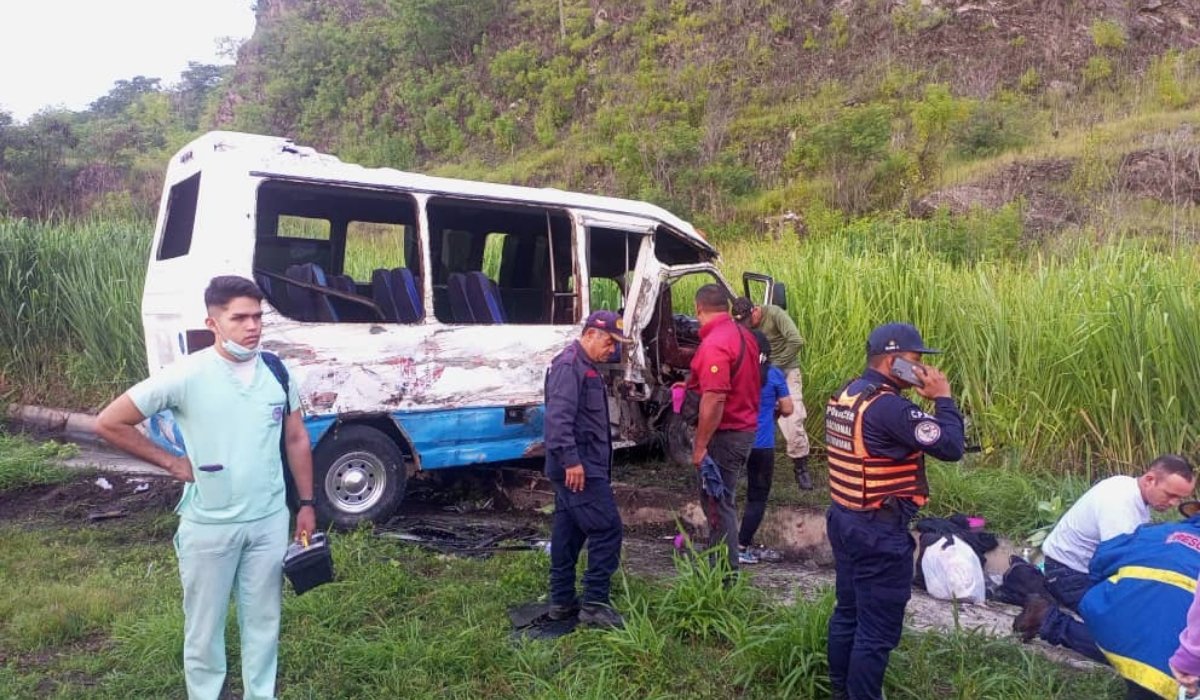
<point x="563" y="612"/>
<point x="747" y="555"/>
<point x="768" y="556"/>
<point x="1030" y="619"/>
<point x="600" y="615"/>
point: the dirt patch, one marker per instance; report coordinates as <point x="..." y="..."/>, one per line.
<point x="1170" y="175"/>
<point x="75" y="501"/>
<point x="1038" y="184"/>
<point x="463" y="520"/>
<point x="50" y="658"/>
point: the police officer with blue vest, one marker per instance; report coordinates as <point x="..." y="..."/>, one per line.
<point x="877" y="441"/>
<point x="578" y="464"/>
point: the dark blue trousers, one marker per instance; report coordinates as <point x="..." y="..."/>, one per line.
<point x="873" y="554"/>
<point x="1065" y="631"/>
<point x="588" y="516"/>
<point x="1068" y="586"/>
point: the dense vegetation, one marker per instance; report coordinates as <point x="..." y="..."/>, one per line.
<point x="107" y="160"/>
<point x="726" y="112"/>
<point x="101" y="619"/>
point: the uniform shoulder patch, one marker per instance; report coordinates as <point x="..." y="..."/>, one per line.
<point x="918" y="414"/>
<point x="927" y="432"/>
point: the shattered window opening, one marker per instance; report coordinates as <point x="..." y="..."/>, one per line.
<point x="673" y="248"/>
<point x="612" y="255"/>
<point x="673" y="333"/>
<point x="338" y="254"/>
<point x="497" y="263"/>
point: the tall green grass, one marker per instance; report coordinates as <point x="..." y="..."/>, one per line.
<point x="1054" y="356"/>
<point x="70" y="316"/>
<point x="1061" y="354"/>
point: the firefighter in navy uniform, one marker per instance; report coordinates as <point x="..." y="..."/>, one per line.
<point x="579" y="465"/>
<point x="877" y="441"/>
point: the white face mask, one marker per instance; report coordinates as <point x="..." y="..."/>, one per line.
<point x="239" y="352"/>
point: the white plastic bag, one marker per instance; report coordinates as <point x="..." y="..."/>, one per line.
<point x="952" y="571"/>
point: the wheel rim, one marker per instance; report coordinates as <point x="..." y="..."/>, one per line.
<point x="356" y="482"/>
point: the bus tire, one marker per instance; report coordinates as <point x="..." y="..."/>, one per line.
<point x="359" y="476"/>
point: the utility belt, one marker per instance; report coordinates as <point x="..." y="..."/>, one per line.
<point x="895" y="510"/>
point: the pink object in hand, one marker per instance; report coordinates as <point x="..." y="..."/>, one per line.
<point x="976" y="522"/>
<point x="677" y="393"/>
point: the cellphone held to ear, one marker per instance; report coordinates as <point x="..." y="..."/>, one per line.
<point x="907" y="371"/>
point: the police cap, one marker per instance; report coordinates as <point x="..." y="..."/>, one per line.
<point x="897" y="337"/>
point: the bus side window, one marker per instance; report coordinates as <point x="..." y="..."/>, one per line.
<point x="497" y="264"/>
<point x="337" y="254"/>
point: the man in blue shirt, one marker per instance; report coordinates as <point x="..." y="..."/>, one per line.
<point x="233" y="519"/>
<point x="775" y="403"/>
<point x="579" y="465"/>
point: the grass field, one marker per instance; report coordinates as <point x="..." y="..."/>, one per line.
<point x="99" y="617"/>
<point x="26" y="463"/>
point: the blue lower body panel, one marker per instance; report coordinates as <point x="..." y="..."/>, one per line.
<point x="454" y="437"/>
<point x="460" y="437"/>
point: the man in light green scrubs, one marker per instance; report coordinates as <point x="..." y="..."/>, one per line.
<point x="233" y="523"/>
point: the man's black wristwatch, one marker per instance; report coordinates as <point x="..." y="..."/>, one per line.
<point x="308" y="502"/>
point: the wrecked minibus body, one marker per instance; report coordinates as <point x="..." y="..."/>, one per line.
<point x="416" y="314"/>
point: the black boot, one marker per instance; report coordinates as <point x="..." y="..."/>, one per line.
<point x="563" y="612"/>
<point x="803" y="478"/>
<point x="600" y="615"/>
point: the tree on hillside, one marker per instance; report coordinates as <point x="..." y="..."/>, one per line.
<point x="196" y="85"/>
<point x="442" y="29"/>
<point x="123" y="94"/>
<point x="38" y="170"/>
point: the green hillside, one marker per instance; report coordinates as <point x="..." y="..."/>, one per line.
<point x="748" y="116"/>
<point x="733" y="112"/>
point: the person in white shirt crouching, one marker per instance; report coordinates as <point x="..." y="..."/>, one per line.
<point x="1116" y="506"/>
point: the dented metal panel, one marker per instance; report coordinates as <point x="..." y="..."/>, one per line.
<point x="368" y="368"/>
<point x="639" y="308"/>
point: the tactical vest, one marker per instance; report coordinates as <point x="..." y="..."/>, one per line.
<point x="857" y="480"/>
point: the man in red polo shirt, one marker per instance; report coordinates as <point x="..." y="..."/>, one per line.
<point x="725" y="373"/>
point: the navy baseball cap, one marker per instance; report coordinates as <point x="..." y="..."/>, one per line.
<point x="609" y="322"/>
<point x="897" y="337"/>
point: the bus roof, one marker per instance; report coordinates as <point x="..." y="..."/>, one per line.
<point x="280" y="157"/>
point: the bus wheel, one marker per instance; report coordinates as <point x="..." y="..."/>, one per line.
<point x="358" y="476"/>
